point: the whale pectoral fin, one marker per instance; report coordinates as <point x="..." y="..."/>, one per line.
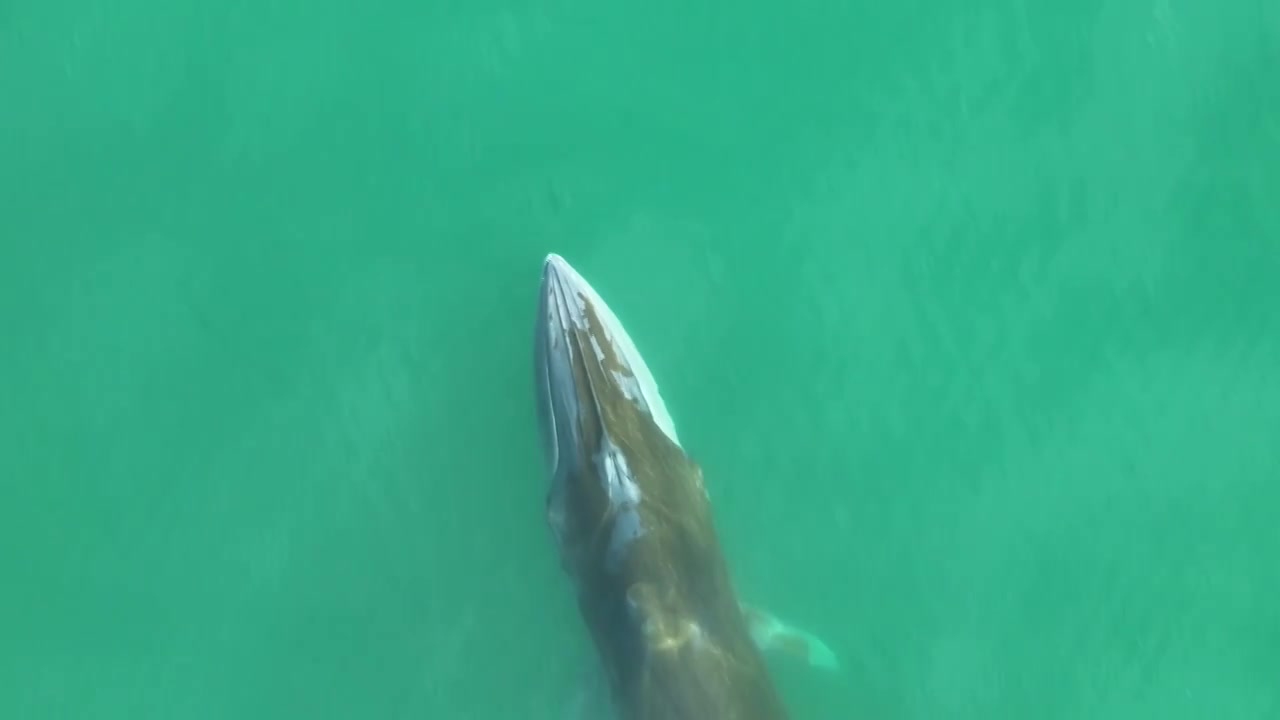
<point x="772" y="635"/>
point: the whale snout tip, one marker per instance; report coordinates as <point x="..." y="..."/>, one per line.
<point x="554" y="263"/>
<point x="558" y="273"/>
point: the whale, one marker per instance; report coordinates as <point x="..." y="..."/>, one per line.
<point x="633" y="528"/>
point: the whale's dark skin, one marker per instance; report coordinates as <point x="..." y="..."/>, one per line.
<point x="634" y="525"/>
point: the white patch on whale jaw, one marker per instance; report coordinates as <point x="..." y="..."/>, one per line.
<point x="622" y="514"/>
<point x="624" y="502"/>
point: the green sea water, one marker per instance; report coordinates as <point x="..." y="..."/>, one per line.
<point x="970" y="312"/>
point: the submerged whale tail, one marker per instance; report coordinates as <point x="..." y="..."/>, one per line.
<point x="772" y="635"/>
